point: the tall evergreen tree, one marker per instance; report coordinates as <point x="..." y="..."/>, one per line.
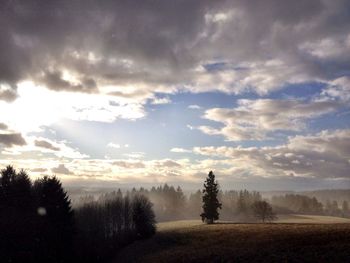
<point x="55" y="220"/>
<point x="16" y="216"/>
<point x="211" y="203"/>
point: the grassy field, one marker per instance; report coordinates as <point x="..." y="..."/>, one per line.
<point x="293" y="239"/>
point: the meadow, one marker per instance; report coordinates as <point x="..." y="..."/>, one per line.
<point x="292" y="238"/>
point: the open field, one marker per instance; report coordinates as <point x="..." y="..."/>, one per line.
<point x="306" y="219"/>
<point x="293" y="239"/>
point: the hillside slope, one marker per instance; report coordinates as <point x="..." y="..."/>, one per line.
<point x="192" y="241"/>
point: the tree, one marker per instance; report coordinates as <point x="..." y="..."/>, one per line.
<point x="211" y="203"/>
<point x="241" y="203"/>
<point x="143" y="216"/>
<point x="263" y="211"/>
<point x="345" y="208"/>
<point x="55" y="220"/>
<point x="16" y="216"/>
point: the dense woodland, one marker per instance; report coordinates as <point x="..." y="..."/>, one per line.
<point x="37" y="223"/>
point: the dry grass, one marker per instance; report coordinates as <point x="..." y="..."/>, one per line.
<point x="192" y="241"/>
<point x="306" y="219"/>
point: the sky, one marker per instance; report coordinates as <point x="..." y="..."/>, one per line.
<point x="140" y="93"/>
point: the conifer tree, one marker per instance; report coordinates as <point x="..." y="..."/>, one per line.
<point x="16" y="216"/>
<point x="55" y="223"/>
<point x="211" y="203"/>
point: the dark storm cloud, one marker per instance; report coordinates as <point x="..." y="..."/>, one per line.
<point x="46" y="145"/>
<point x="163" y="43"/>
<point x="55" y="81"/>
<point x="12" y="139"/>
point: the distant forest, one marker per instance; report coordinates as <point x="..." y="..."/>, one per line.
<point x="171" y="203"/>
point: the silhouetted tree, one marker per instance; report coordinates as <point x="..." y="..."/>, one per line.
<point x="16" y="217"/>
<point x="55" y="223"/>
<point x="263" y="211"/>
<point x="143" y="216"/>
<point x="127" y="219"/>
<point x="211" y="203"/>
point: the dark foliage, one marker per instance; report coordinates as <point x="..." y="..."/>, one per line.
<point x="55" y="223"/>
<point x="143" y="216"/>
<point x="36" y="222"/>
<point x="111" y="222"/>
<point x="211" y="203"/>
<point x="16" y="217"/>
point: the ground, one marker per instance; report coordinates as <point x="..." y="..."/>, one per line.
<point x="291" y="239"/>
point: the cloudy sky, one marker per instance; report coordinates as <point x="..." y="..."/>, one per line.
<point x="105" y="93"/>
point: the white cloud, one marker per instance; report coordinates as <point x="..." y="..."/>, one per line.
<point x="113" y="145"/>
<point x="190" y="127"/>
<point x="37" y="107"/>
<point x="255" y="119"/>
<point x="338" y="89"/>
<point x="158" y="101"/>
<point x="194" y="107"/>
<point x="323" y="155"/>
<point x="129" y="164"/>
<point x="179" y="150"/>
<point x="135" y="155"/>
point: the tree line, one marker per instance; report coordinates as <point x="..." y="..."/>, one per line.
<point x="171" y="203"/>
<point x="302" y="204"/>
<point x="38" y="224"/>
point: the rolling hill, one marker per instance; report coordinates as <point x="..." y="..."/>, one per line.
<point x="291" y="239"/>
